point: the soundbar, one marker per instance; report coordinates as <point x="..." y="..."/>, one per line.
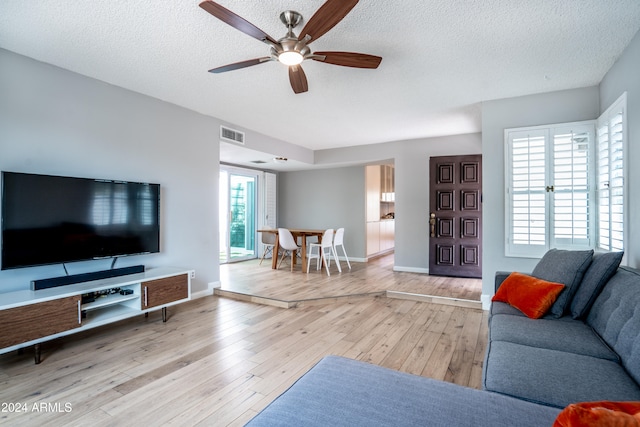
<point x="53" y="282"/>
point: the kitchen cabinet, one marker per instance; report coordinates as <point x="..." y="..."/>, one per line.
<point x="372" y="180"/>
<point x="380" y="207"/>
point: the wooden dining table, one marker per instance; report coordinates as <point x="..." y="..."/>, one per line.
<point x="298" y="233"/>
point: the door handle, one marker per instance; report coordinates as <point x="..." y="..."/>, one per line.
<point x="432" y="223"/>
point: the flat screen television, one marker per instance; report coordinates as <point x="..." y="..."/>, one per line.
<point x="55" y="219"/>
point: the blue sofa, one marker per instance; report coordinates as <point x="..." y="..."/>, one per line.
<point x="561" y="360"/>
<point x="345" y="392"/>
<point x="586" y="349"/>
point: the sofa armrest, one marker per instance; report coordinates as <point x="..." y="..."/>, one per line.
<point x="500" y="276"/>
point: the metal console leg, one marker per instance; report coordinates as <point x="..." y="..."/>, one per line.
<point x="164" y="314"/>
<point x="36" y="353"/>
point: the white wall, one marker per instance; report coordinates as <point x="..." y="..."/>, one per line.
<point x="53" y="121"/>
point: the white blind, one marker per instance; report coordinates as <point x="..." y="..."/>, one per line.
<point x="527" y="193"/>
<point x="550" y="191"/>
<point x="270" y="201"/>
<point x="571" y="189"/>
<point x="611" y="141"/>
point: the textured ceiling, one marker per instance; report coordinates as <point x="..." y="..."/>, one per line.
<point x="441" y="58"/>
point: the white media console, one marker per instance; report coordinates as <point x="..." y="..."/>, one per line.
<point x="32" y="317"/>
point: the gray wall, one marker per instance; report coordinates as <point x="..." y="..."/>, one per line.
<point x="324" y="199"/>
<point x="623" y="76"/>
<point x="548" y="108"/>
<point x="412" y="194"/>
<point x="556" y="107"/>
<point x="297" y="192"/>
<point x="53" y="121"/>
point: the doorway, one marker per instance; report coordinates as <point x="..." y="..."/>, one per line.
<point x="455" y="216"/>
<point x="238" y="203"/>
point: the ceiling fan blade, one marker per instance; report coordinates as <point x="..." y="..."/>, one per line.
<point x="238" y="65"/>
<point x="329" y="14"/>
<point x="237" y="22"/>
<point x="349" y="59"/>
<point x="298" y="79"/>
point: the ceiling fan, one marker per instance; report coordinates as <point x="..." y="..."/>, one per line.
<point x="291" y="50"/>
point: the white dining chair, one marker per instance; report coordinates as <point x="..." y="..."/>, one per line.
<point x="338" y="240"/>
<point x="268" y="241"/>
<point x="324" y="253"/>
<point x="288" y="245"/>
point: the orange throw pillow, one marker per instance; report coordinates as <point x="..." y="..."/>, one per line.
<point x="614" y="414"/>
<point x="530" y="295"/>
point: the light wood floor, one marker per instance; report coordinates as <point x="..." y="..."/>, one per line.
<point x="284" y="288"/>
<point x="218" y="361"/>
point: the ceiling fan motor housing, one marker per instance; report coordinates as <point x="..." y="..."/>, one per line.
<point x="290" y="18"/>
<point x="292" y="50"/>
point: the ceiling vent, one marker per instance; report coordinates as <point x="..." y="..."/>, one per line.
<point x="231" y="135"/>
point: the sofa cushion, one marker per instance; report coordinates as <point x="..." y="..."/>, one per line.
<point x="572" y="336"/>
<point x="603" y="266"/>
<point x="528" y="294"/>
<point x="615" y="316"/>
<point x="566" y="267"/>
<point x="345" y="392"/>
<point x="587" y="414"/>
<point x="554" y="377"/>
<point x="500" y="277"/>
<point x="498" y="307"/>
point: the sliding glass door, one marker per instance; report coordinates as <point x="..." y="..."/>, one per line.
<point x="238" y="203"/>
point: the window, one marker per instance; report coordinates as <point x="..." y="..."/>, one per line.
<point x="611" y="183"/>
<point x="550" y="196"/>
<point x="565" y="185"/>
<point x="110" y="204"/>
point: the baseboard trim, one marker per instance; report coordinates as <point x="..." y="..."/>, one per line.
<point x="254" y="299"/>
<point x="410" y="269"/>
<point x="486" y="301"/>
<point x="456" y="302"/>
<point x="353" y="259"/>
<point x="211" y="287"/>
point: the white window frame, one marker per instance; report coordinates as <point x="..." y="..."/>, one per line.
<point x="548" y="133"/>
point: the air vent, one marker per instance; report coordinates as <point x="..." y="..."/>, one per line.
<point x="231" y="135"/>
<point x="258" y="162"/>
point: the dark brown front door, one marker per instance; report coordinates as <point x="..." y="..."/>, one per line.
<point x="455" y="217"/>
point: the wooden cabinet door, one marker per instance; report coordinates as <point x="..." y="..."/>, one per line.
<point x="164" y="291"/>
<point x="455" y="244"/>
<point x="30" y="322"/>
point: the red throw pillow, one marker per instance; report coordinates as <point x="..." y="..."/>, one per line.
<point x="614" y="414"/>
<point x="530" y="295"/>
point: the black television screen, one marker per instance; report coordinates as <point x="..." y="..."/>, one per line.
<point x="53" y="219"/>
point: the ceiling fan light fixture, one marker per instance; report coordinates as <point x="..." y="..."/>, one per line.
<point x="290" y="58"/>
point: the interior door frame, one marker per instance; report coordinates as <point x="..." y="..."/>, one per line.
<point x="231" y="170"/>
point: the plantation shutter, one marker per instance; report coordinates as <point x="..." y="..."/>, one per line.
<point x="526" y="192"/>
<point x="571" y="189"/>
<point x="611" y="141"/>
<point x="550" y="190"/>
<point x="270" y="204"/>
